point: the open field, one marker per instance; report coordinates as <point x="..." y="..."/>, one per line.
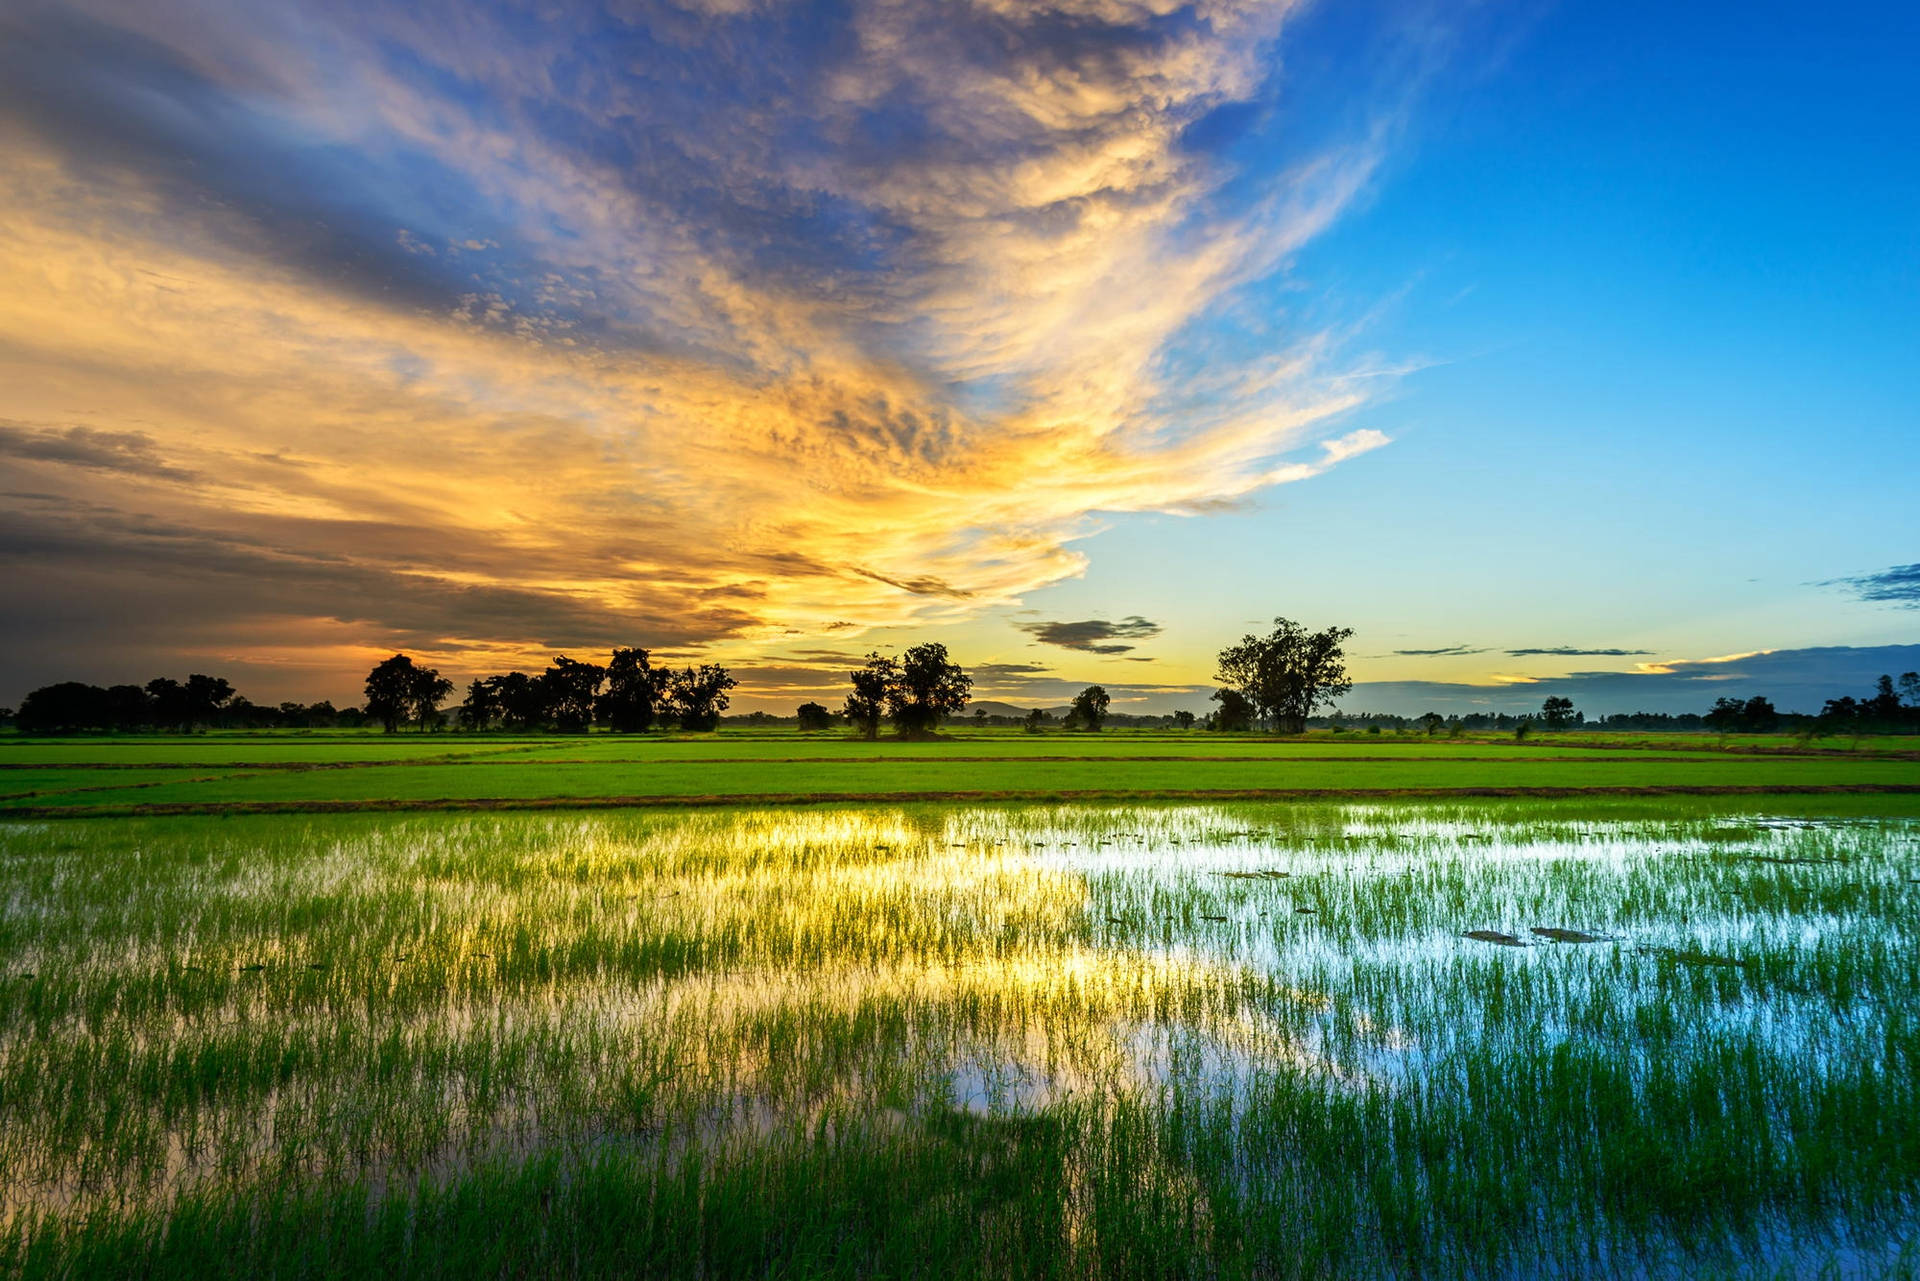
<point x="317" y="772"/>
<point x="1671" y="1037"/>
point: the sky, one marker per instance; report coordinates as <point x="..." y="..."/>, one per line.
<point x="1553" y="348"/>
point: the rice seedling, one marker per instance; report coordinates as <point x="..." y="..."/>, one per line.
<point x="1241" y="1040"/>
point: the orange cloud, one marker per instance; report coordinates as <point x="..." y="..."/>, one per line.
<point x="648" y="427"/>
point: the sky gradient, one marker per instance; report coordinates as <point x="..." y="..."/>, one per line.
<point x="1550" y="347"/>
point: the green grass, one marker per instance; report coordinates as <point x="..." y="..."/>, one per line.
<point x="990" y="1040"/>
<point x="126" y="775"/>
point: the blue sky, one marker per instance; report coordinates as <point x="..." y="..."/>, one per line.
<point x="773" y="333"/>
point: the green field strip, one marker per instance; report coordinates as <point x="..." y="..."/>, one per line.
<point x="161" y="809"/>
<point x="521" y="781"/>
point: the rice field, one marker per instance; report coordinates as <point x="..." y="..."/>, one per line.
<point x="1516" y="1038"/>
<point x="137" y="775"/>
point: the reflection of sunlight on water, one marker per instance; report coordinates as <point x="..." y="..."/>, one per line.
<point x="447" y="989"/>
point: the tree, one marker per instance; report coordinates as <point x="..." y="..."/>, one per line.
<point x="1731" y="716"/>
<point x="634" y="689"/>
<point x="568" y="688"/>
<point x="204" y="697"/>
<point x="426" y="690"/>
<point x="868" y="701"/>
<point x="1183" y="719"/>
<point x="1034" y="720"/>
<point x="698" y="695"/>
<point x="1283" y="676"/>
<point x="1839" y="714"/>
<point x="1557" y="713"/>
<point x="1885" y="704"/>
<point x="1236" y="711"/>
<point x="1910" y="688"/>
<point x="62" y="708"/>
<point x="389" y="691"/>
<point x="1432" y="722"/>
<point x="480" y="707"/>
<point x="520" y="699"/>
<point x="814" y="717"/>
<point x="1089" y="709"/>
<point x="930" y="686"/>
<point x="167" y="703"/>
<point x="397" y="691"/>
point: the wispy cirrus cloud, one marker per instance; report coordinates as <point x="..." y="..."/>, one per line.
<point x="1093" y="635"/>
<point x="1574" y="651"/>
<point x="650" y="321"/>
<point x="1897" y="585"/>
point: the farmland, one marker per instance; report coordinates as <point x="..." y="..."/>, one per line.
<point x="1593" y="1025"/>
<point x="142" y="774"/>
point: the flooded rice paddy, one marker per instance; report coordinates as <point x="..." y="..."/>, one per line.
<point x="1203" y="1040"/>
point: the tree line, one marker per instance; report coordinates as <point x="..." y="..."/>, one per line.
<point x="1277" y="682"/>
<point x="629" y="695"/>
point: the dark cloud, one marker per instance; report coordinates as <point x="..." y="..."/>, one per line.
<point x="78" y="579"/>
<point x="1093" y="635"/>
<point x="1004" y="671"/>
<point x="1899" y="585"/>
<point x="133" y="453"/>
<point x="119" y="104"/>
<point x="1569" y="651"/>
<point x="925" y="586"/>
<point x="1447" y="651"/>
<point x="1797" y="680"/>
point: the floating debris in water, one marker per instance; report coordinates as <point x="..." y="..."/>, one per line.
<point x="1559" y="935"/>
<point x="1495" y="936"/>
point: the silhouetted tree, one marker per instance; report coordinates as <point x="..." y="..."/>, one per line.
<point x="426" y="690"/>
<point x="1885" y="703"/>
<point x="479" y="708"/>
<point x="1183" y="719"/>
<point x="1034" y="721"/>
<point x="167" y="703"/>
<point x="634" y="690"/>
<point x="1236" y="711"/>
<point x="1557" y="713"/>
<point x="930" y="686"/>
<point x="520" y="698"/>
<point x="1910" y="689"/>
<point x="1089" y="709"/>
<point x="1284" y="675"/>
<point x="698" y="696"/>
<point x="1755" y="715"/>
<point x="205" y="696"/>
<point x="63" y="708"/>
<point x="868" y="701"/>
<point x="389" y="688"/>
<point x="1432" y="722"/>
<point x="1840" y="715"/>
<point x="568" y="688"/>
<point x="814" y="717"/>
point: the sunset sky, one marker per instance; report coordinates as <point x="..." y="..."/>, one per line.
<point x="1552" y="347"/>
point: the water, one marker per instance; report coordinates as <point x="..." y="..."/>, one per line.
<point x="1265" y="1018"/>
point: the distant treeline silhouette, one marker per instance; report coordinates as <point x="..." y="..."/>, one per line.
<point x="1277" y="682"/>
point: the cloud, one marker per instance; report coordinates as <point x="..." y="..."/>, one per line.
<point x="133" y="453"/>
<point x="1555" y="651"/>
<point x="637" y="321"/>
<point x="1899" y="585"/>
<point x="1092" y="635"/>
<point x="1797" y="680"/>
<point x="1569" y="651"/>
<point x="995" y="672"/>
